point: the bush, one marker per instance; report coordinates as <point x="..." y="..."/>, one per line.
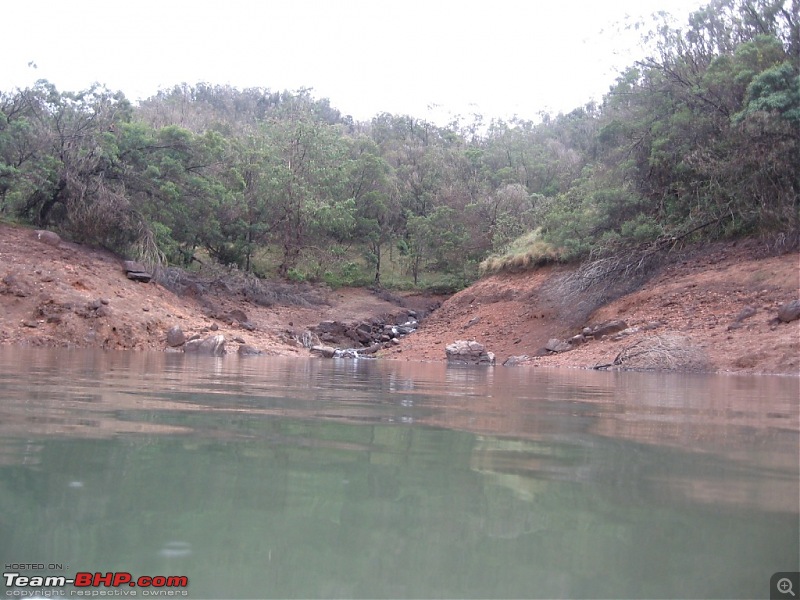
<point x="666" y="352"/>
<point x="296" y="276"/>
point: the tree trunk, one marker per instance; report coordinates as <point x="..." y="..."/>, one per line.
<point x="377" y="252"/>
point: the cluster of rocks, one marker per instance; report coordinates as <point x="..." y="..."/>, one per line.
<point x="212" y="345"/>
<point x="615" y="330"/>
<point x="354" y="340"/>
<point x="14" y="285"/>
<point x="788" y="312"/>
<point x="233" y="318"/>
<point x="50" y="311"/>
<point x="468" y="352"/>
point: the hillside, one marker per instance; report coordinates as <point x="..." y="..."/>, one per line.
<point x="722" y="299"/>
<point x="71" y="296"/>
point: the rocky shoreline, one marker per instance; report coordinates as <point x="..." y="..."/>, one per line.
<point x="726" y="308"/>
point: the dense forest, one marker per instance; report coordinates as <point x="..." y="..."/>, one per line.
<point x="701" y="137"/>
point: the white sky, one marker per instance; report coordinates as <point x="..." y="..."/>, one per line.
<point x="497" y="58"/>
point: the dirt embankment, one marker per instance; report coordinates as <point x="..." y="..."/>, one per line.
<point x="58" y="294"/>
<point x="722" y="300"/>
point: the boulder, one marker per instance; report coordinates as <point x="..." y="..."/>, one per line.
<point x="248" y="350"/>
<point x="48" y="237"/>
<point x="556" y="345"/>
<point x="175" y="337"/>
<point x="363" y="336"/>
<point x="324" y="351"/>
<point x="469" y="352"/>
<point x="789" y="311"/>
<point x="577" y="340"/>
<point x="745" y="313"/>
<point x="515" y="361"/>
<point x="237" y="315"/>
<point x="606" y="328"/>
<point x="192" y="344"/>
<point x="213" y="345"/>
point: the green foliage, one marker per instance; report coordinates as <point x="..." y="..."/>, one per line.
<point x="295" y="275"/>
<point x="775" y="90"/>
<point x="702" y="134"/>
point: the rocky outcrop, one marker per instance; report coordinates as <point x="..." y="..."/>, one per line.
<point x="468" y="352"/>
<point x="137" y="271"/>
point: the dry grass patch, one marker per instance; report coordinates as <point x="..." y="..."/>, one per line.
<point x="526" y="252"/>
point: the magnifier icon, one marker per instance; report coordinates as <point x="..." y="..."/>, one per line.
<point x="784" y="586"/>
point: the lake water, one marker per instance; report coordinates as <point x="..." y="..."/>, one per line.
<point x="269" y="477"/>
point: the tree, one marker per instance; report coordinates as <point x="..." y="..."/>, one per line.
<point x="306" y="172"/>
<point x="377" y="207"/>
<point x="74" y="136"/>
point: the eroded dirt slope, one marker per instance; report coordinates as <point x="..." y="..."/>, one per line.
<point x="67" y="295"/>
<point x="702" y="297"/>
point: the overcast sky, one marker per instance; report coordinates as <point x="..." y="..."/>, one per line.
<point x="497" y="58"/>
